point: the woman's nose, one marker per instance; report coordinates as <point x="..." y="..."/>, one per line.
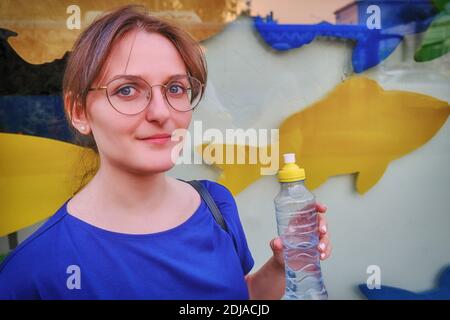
<point x="158" y="108"/>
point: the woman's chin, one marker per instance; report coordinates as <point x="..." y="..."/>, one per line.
<point x="154" y="166"/>
<point x="155" y="159"/>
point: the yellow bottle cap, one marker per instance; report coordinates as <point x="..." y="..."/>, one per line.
<point x="290" y="171"/>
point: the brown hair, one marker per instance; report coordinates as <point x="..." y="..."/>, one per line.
<point x="92" y="48"/>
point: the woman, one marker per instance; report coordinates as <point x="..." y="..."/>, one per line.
<point x="132" y="232"/>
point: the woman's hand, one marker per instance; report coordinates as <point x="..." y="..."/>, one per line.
<point x="324" y="242"/>
<point x="269" y="282"/>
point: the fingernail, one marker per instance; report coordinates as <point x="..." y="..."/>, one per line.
<point x="322" y="246"/>
<point x="322" y="255"/>
<point x="276" y="245"/>
<point x="323" y="228"/>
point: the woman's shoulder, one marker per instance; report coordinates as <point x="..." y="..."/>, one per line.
<point x="228" y="207"/>
<point x="224" y="200"/>
<point x="217" y="190"/>
<point x="221" y="194"/>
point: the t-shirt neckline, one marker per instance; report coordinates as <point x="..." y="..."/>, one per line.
<point x="107" y="232"/>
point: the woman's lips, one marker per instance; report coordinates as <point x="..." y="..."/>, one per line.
<point x="157" y="139"/>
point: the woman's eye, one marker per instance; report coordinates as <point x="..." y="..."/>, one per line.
<point x="176" y="89"/>
<point x="126" y="91"/>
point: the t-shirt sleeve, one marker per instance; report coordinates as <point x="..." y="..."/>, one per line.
<point x="227" y="206"/>
<point x="16" y="278"/>
<point x="30" y="264"/>
<point x="6" y="284"/>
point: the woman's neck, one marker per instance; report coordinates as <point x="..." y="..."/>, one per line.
<point x="117" y="189"/>
<point x="130" y="203"/>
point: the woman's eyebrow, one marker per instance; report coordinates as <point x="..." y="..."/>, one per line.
<point x="165" y="79"/>
<point x="141" y="76"/>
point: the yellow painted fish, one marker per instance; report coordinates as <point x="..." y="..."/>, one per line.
<point x="36" y="176"/>
<point x="357" y="128"/>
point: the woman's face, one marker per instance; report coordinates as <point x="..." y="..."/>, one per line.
<point x="119" y="137"/>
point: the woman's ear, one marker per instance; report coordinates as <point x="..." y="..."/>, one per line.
<point x="78" y="117"/>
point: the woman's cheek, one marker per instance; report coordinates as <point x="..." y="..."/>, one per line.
<point x="183" y="120"/>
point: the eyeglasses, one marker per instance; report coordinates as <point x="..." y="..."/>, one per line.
<point x="131" y="95"/>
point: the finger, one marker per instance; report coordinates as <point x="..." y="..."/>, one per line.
<point x="325" y="255"/>
<point x="276" y="244"/>
<point x="321" y="208"/>
<point x="323" y="244"/>
<point x="277" y="248"/>
<point x="323" y="224"/>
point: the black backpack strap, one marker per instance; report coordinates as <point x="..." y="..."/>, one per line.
<point x="206" y="196"/>
<point x="204" y="193"/>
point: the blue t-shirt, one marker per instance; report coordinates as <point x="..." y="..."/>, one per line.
<point x="68" y="258"/>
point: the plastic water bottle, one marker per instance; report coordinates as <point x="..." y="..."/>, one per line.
<point x="297" y="224"/>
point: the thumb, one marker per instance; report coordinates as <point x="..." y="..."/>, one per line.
<point x="277" y="248"/>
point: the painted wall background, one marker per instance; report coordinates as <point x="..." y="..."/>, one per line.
<point x="401" y="223"/>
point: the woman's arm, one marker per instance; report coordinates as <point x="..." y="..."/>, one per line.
<point x="268" y="283"/>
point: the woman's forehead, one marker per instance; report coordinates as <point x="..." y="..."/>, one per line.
<point x="150" y="55"/>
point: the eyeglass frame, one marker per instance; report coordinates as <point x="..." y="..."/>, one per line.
<point x="105" y="87"/>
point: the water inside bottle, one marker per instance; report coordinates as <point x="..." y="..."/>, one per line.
<point x="302" y="263"/>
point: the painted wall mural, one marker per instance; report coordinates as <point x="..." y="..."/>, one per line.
<point x="358" y="128"/>
<point x="440" y="292"/>
<point x="362" y="126"/>
<point x="436" y="40"/>
<point x="37" y="175"/>
<point x="375" y="40"/>
<point x="50" y="27"/>
<point x="320" y="84"/>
